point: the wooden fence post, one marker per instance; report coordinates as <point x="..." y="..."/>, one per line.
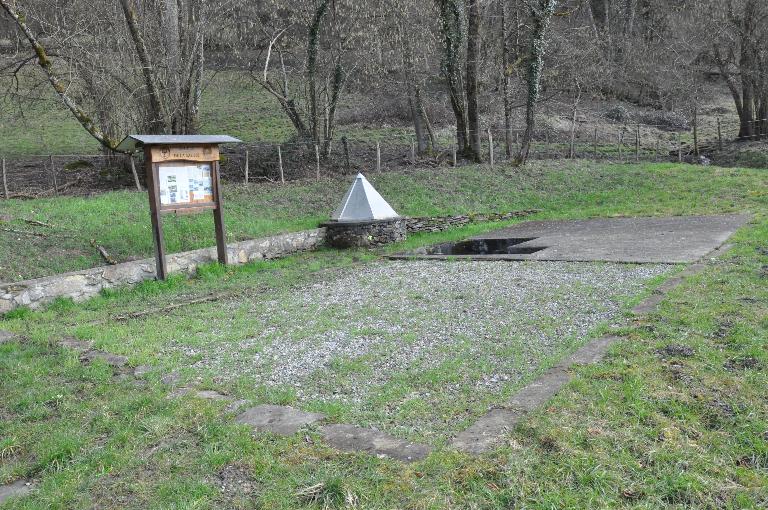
<point x="413" y="153"/>
<point x="620" y="143"/>
<point x="679" y="148"/>
<point x="696" y="131"/>
<point x="656" y="151"/>
<point x="594" y="144"/>
<point x="280" y="163"/>
<point x="317" y="162"/>
<point x="453" y="153"/>
<point x="55" y="177"/>
<point x="378" y="157"/>
<point x="135" y="174"/>
<point x="490" y="147"/>
<point x="719" y="135"/>
<point x="5" y="182"/>
<point x="246" y="171"/>
<point x="637" y="144"/>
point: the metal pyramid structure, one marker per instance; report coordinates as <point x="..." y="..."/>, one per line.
<point x="363" y="203"/>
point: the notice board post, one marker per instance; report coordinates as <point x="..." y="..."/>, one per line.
<point x="183" y="177"/>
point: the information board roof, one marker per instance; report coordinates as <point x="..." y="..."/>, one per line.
<point x="133" y="142"/>
<point x="363" y="203"/>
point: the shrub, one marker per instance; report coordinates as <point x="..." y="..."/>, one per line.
<point x="619" y="113"/>
<point x="667" y="120"/>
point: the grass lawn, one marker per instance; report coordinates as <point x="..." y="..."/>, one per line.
<point x="651" y="427"/>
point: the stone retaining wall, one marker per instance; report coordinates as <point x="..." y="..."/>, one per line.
<point x="365" y="234"/>
<point x="81" y="285"/>
<point x="440" y="223"/>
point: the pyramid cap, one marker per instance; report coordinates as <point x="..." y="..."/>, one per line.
<point x="363" y="203"/>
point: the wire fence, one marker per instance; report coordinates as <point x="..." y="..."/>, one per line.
<point x="53" y="174"/>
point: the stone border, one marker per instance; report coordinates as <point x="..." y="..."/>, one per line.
<point x="491" y="428"/>
<point x="16" y="489"/>
<point x="85" y="284"/>
<point x="287" y="421"/>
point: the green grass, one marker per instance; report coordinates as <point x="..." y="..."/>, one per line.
<point x="119" y="221"/>
<point x="231" y="104"/>
<point x="639" y="430"/>
<point x="45" y="128"/>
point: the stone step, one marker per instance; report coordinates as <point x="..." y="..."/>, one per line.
<point x="16" y="489"/>
<point x="7" y="336"/>
<point x="350" y="438"/>
<point x="281" y="420"/>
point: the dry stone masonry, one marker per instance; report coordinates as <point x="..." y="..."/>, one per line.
<point x="440" y="223"/>
<point x="365" y="235"/>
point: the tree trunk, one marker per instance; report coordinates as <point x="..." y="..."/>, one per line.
<point x="339" y="80"/>
<point x="452" y="29"/>
<point x="411" y="89"/>
<point x="427" y="122"/>
<point x="505" y="76"/>
<point x="599" y="12"/>
<point x="313" y="44"/>
<point x="417" y="125"/>
<point x="541" y="15"/>
<point x="473" y="51"/>
<point x="172" y="36"/>
<point x="157" y="122"/>
<point x="747" y="118"/>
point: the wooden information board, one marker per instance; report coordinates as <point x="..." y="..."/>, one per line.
<point x="183" y="179"/>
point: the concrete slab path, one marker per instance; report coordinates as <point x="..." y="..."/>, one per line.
<point x="670" y="240"/>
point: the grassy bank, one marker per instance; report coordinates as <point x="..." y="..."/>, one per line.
<point x="119" y="221"/>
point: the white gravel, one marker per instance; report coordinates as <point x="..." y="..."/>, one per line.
<point x="480" y="325"/>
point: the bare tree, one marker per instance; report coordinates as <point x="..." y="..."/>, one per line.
<point x="130" y="66"/>
<point x="304" y="59"/>
<point x="54" y="78"/>
<point x="739" y="51"/>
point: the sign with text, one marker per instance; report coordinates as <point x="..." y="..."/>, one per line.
<point x="183" y="179"/>
<point x="163" y="153"/>
<point x="182" y="183"/>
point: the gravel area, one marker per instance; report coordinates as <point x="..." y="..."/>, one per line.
<point x="396" y="341"/>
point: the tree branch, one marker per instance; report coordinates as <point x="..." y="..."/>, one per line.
<point x="47" y="66"/>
